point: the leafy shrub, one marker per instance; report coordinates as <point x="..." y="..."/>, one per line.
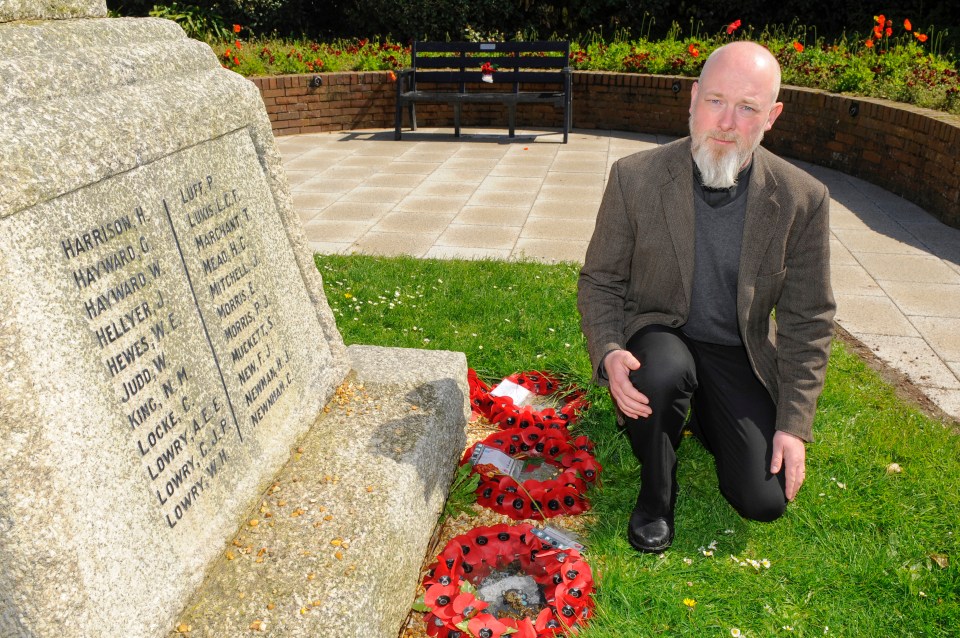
<point x="201" y="23"/>
<point x="898" y="64"/>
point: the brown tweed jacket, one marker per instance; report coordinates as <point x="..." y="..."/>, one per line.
<point x="639" y="270"/>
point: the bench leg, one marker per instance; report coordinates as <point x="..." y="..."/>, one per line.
<point x="456" y="119"/>
<point x="398" y="121"/>
<point x="512" y="118"/>
<point x="413" y="116"/>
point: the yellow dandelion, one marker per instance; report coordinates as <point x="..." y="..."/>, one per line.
<point x="690" y="602"/>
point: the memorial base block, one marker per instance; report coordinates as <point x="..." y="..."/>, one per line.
<point x="335" y="546"/>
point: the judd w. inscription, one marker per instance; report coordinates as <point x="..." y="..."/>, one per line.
<point x="167" y="355"/>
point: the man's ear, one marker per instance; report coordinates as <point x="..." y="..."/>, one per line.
<point x="693" y="95"/>
<point x="774" y="114"/>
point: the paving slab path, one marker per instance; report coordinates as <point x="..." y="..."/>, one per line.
<point x="895" y="268"/>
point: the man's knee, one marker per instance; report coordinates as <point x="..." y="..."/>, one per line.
<point x="765" y="506"/>
<point x="666" y="368"/>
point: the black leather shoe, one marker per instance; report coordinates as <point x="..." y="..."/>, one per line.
<point x="649" y="534"/>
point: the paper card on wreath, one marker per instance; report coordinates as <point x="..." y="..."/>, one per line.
<point x="483" y="455"/>
<point x="559" y="538"/>
<point x="519" y="394"/>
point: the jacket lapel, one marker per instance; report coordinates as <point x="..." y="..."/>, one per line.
<point x="676" y="197"/>
<point x="759" y="227"/>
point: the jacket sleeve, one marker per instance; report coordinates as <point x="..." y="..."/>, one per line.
<point x="605" y="276"/>
<point x="804" y="320"/>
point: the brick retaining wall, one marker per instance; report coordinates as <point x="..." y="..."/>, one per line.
<point x="906" y="150"/>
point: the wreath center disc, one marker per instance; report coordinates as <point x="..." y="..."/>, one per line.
<point x="511" y="593"/>
<point x="537" y="470"/>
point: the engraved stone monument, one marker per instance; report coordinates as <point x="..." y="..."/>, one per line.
<point x="164" y="337"/>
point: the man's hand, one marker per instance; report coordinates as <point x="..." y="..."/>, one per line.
<point x="633" y="403"/>
<point x="790" y="454"/>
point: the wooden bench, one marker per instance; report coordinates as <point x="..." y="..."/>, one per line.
<point x="452" y="74"/>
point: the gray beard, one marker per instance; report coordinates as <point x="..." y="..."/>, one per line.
<point x="720" y="170"/>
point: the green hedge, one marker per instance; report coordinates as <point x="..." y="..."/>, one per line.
<point x="403" y="20"/>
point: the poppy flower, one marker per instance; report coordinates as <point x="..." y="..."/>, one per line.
<point x="583" y="443"/>
<point x="467" y="605"/>
<point x="869" y="43"/>
<point x="907" y="25"/>
<point x="733" y="26"/>
<point x="798" y="47"/>
<point x="391" y="76"/>
<point x="440" y="595"/>
<point x="880" y="19"/>
<point x="433" y="624"/>
<point x="585" y="465"/>
<point x="486" y="626"/>
<point x="483" y="550"/>
<point x="524" y="627"/>
<point x="888" y="31"/>
<point x="571" y="599"/>
<point x="447" y="569"/>
<point x="236" y="28"/>
<point x="692" y="49"/>
<point x="922" y="37"/>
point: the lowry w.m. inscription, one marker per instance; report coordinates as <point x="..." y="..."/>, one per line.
<point x="163" y="332"/>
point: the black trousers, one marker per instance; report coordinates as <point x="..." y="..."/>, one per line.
<point x="732" y="414"/>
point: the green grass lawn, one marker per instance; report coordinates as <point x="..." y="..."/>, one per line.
<point x="861" y="552"/>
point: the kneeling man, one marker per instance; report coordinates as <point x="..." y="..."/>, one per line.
<point x="706" y="294"/>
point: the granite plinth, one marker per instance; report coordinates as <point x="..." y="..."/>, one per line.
<point x="335" y="546"/>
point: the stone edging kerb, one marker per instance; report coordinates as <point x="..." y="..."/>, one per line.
<point x="909" y="151"/>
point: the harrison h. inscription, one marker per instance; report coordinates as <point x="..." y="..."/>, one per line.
<point x="179" y="305"/>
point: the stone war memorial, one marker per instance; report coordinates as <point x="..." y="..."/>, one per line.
<point x="186" y="445"/>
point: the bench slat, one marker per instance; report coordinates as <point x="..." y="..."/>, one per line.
<point x="506" y="62"/>
<point x="456" y="65"/>
<point x="440" y="47"/>
<point x="499" y="77"/>
<point x="450" y="97"/>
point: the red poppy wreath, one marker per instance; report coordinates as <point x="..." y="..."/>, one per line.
<point x="563" y="494"/>
<point x="504" y="580"/>
<point x="503" y="411"/>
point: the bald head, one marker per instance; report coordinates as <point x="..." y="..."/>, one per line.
<point x="731" y="106"/>
<point x="747" y="58"/>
